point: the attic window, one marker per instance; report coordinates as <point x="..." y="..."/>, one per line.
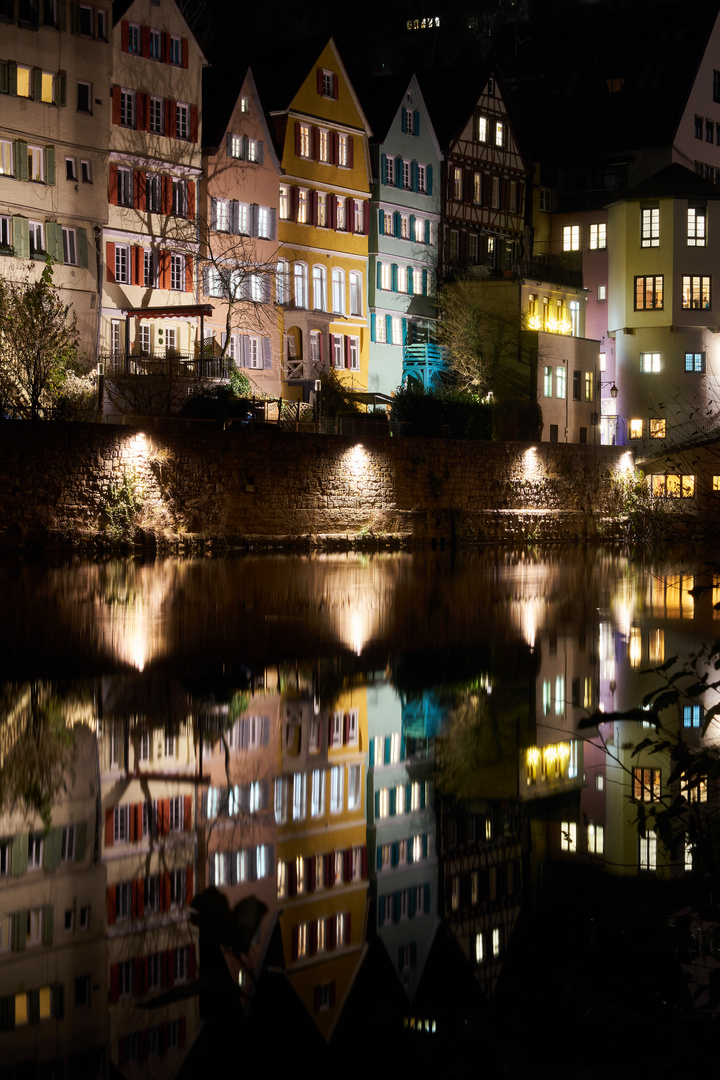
<point x="245" y="104"/>
<point x="615" y="85"/>
<point x="491" y="87"/>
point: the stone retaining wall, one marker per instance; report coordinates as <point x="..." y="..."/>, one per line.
<point x="60" y="478"/>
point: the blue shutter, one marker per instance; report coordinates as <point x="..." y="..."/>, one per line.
<point x="383" y="168"/>
<point x="416" y="126"/>
<point x="379" y="858"/>
<point x="398" y="172"/>
<point x="392" y="802"/>
<point x="395" y="858"/>
<point x="405" y="330"/>
<point x="372" y="338"/>
<point x="386" y="756"/>
<point x="413" y="902"/>
<point x="426" y="899"/>
<point x="427" y="232"/>
<point x="408" y="797"/>
<point x="425" y="846"/>
<point x="422" y="795"/>
<point x="403" y="121"/>
<point x="412" y="227"/>
<point x="410" y="292"/>
<point x="429" y="172"/>
<point x="396" y="907"/>
<point x="394" y="278"/>
<point x="424" y="282"/>
<point x="388" y="329"/>
<point x="414" y="175"/>
<point x="377" y="804"/>
<point x="396" y="224"/>
<point x="381" y="223"/>
<point x="379" y="275"/>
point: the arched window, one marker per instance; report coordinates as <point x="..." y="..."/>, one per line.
<point x="282" y="282"/>
<point x="301" y="285"/>
<point x="356" y="293"/>
<point x="338" y="291"/>
<point x="319" y="288"/>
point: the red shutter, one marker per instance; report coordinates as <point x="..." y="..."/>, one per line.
<point x="319" y="81"/>
<point x="166" y="48"/>
<point x="125" y="35"/>
<point x="188" y="288"/>
<point x="293" y="204"/>
<point x="184" y="52"/>
<point x="115" y="92"/>
<point x="347" y="351"/>
<point x="164" y="279"/>
<point x="346" y="727"/>
<point x="313" y="938"/>
<point x="329" y="874"/>
<point x="171" y="129"/>
<point x="166" y="891"/>
<point x="193" y="123"/>
<point x="191" y="200"/>
<point x="189" y="891"/>
<point x="333" y="147"/>
<point x="332" y="211"/>
<point x="166" y="201"/>
<point x="347" y="864"/>
<point x="140" y="119"/>
<point x="316" y="144"/>
<point x="191" y="961"/>
<point x="166" y="128"/>
<point x="110" y="813"/>
<point x="351" y="155"/>
<point x="137" y="279"/>
<point x="335" y="85"/>
<point x="350" y="215"/>
<point x="166" y="816"/>
<point x="114" y="982"/>
<point x="313" y="207"/>
<point x="297" y="138"/>
<point x="137" y="180"/>
<point x="292" y="878"/>
<point x="111" y="904"/>
<point x="187" y="819"/>
<point x="311" y="861"/>
<point x="330" y="932"/>
<point x="145" y="41"/>
<point x="141" y="191"/>
<point x="122" y="1050"/>
<point x="140" y="897"/>
<point x="113" y="184"/>
<point x="133" y="899"/>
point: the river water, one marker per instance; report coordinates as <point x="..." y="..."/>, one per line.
<point x="414" y="803"/>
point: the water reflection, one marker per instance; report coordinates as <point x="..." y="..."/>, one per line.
<point x="395" y="771"/>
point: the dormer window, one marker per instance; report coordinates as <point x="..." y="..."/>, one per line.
<point x="327" y="83"/>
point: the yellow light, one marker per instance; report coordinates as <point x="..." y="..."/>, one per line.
<point x="533" y="755"/>
<point x="534" y="322"/>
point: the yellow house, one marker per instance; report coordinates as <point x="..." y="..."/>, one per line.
<point x="323" y="224"/>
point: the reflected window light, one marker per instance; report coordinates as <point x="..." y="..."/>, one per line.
<point x="635" y="647"/>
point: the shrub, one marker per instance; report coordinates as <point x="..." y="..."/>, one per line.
<point x="441" y="412"/>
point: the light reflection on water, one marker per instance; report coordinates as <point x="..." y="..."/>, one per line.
<point x="272" y="726"/>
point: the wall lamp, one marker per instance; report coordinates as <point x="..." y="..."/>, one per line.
<point x="613" y="388"/>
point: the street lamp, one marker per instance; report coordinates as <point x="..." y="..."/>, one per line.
<point x="318" y="401"/>
<point x="613" y="388"/>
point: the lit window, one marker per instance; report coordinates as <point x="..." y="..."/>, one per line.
<point x="596" y="837"/>
<point x="692" y="716"/>
<point x="499" y="133"/>
<point x="343" y="150"/>
<point x="657" y="428"/>
<point x="571" y="238"/>
<point x="602" y="293"/>
<point x="568" y="836"/>
<point x="589" y="381"/>
<point x="694" y="788"/>
<point x="35" y="163"/>
<point x="647" y="855"/>
<point x="646" y="785"/>
<point x="649" y="363"/>
<point x="284" y="202"/>
<point x="560" y="379"/>
<point x="479" y="948"/>
<point x="548" y="381"/>
<point x="696" y="292"/>
<point x="457" y="183"/>
<point x="23" y="81"/>
<point x="356" y="293"/>
<point x="303" y="205"/>
<point x="482" y="126"/>
<point x="636" y="428"/>
<point x="182" y="121"/>
<point x="650" y="235"/>
<point x="598" y="236"/>
<point x="695" y="362"/>
<point x="696" y="227"/>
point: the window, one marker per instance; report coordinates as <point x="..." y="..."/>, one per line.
<point x="571" y="238"/>
<point x="385" y="276"/>
<point x="647" y="855"/>
<point x="319" y="288"/>
<point x="696" y="226"/>
<point x="6" y="158"/>
<point x="317" y="793"/>
<point x="646" y="785"/>
<point x="636" y="428"/>
<point x="595" y="839"/>
<point x="85" y="173"/>
<point x="69" y="238"/>
<point x="548" y="381"/>
<point x="299" y="796"/>
<point x="696" y="292"/>
<point x="402" y="279"/>
<point x="568" y="836"/>
<point x="177" y="279"/>
<point x="182" y="121"/>
<point x="67" y="845"/>
<point x="457" y="183"/>
<point x="694" y="788"/>
<point x="300" y="276"/>
<point x="602" y="293"/>
<point x="422" y="179"/>
<point x="303" y="206"/>
<point x="123" y="900"/>
<point x="499" y="133"/>
<point x="181" y="964"/>
<point x="155" y="45"/>
<point x="343" y="151"/>
<point x="672" y="486"/>
<point x="336" y="789"/>
<point x="338" y="291"/>
<point x="23" y="81"/>
<point x="650" y="363"/>
<point x="125" y="187"/>
<point x="84" y="97"/>
<point x="598" y="236"/>
<point x="121" y="823"/>
<point x="354" y="353"/>
<point x="560" y="379"/>
<point x="695" y="362"/>
<point x="341" y="213"/>
<point x="284" y="203"/>
<point x="175" y="49"/>
<point x="650" y="227"/>
<point x="179" y="198"/>
<point x="35" y="164"/>
<point x="589" y="385"/>
<point x="692" y="716"/>
<point x="35" y="851"/>
<point x="390" y="171"/>
<point x="481" y="129"/>
<point x="127" y="108"/>
<point x="305" y="142"/>
<point x="657" y="428"/>
<point x="356" y="292"/>
<point x="409" y="121"/>
<point x="133" y="36"/>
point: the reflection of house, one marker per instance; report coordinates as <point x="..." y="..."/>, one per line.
<point x="53" y="964"/>
<point x="404" y="236"/>
<point x="53" y="148"/>
<point x="324" y="215"/>
<point x="322" y="855"/>
<point x="147" y="779"/>
<point x="238" y="229"/>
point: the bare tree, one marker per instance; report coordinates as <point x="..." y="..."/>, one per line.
<point x="480" y="338"/>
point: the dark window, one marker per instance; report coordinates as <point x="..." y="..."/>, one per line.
<point x="583" y="434"/>
<point x="716" y="85"/>
<point x="709" y="131"/>
<point x="698" y="127"/>
<point x="83" y="97"/>
<point x="553" y="433"/>
<point x="577" y="385"/>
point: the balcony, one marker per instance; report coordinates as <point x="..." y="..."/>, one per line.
<point x="423" y="362"/>
<point x="168" y="362"/>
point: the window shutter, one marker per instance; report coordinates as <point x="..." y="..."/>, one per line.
<point x="136" y="277"/>
<point x="294" y="943"/>
<point x="81" y="828"/>
<point x="115" y="95"/>
<point x="125" y="35"/>
<point x="36" y="84"/>
<point x="377" y="815"/>
<point x="414" y="173"/>
<point x="319" y="81"/>
<point x="273" y="223"/>
<point x="335" y="85"/>
<point x="313" y="207"/>
<point x="372" y="338"/>
<point x="254" y="219"/>
<point x="348" y="923"/>
<point x="138" y="189"/>
<point x="398" y="172"/>
<point x="111" y="904"/>
<point x="61" y="90"/>
<point x="351" y="152"/>
<point x="394" y="277"/>
<point x="189" y="886"/>
<point x="114" y="982"/>
<point x="379" y="275"/>
<point x="396" y="907"/>
<point x="395" y="854"/>
<point x="21" y="237"/>
<point x="244" y="351"/>
<point x="334" y="139"/>
<point x="145" y="41"/>
<point x="392" y="802"/>
<point x="297" y="138"/>
<point x="4" y="79"/>
<point x="187" y="815"/>
<point x="347" y="351"/>
<point x="12" y="77"/>
<point x="189" y="282"/>
<point x="185" y="52"/>
<point x="165" y="47"/>
<point x="193" y="123"/>
<point x="315" y="144"/>
<point x="234" y="217"/>
<point x="427" y="232"/>
<point x="410" y="288"/>
<point x="51" y="240"/>
<point x="109" y="813"/>
<point x="383" y="168"/>
<point x="266" y="353"/>
<point x="171" y="127"/>
<point x="388" y="333"/>
<point x="213" y="214"/>
<point x="21" y="159"/>
<point x="429" y="179"/>
<point x="366" y="217"/>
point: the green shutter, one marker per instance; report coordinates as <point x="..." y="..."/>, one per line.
<point x="21" y="159"/>
<point x="12" y="77"/>
<point x="50" y="165"/>
<point x="21" y="244"/>
<point x="36" y="87"/>
<point x="19" y="931"/>
<point x="81" y="829"/>
<point x="61" y="89"/>
<point x="53" y="246"/>
<point x="4" y="77"/>
<point x="19" y="858"/>
<point x="53" y="840"/>
<point x="48" y="924"/>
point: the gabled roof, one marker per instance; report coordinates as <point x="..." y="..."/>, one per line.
<point x="383" y="96"/>
<point x="672" y="182"/>
<point x="221" y="87"/>
<point x="629" y="91"/>
<point x="120" y="8"/>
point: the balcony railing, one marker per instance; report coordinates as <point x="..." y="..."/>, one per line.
<point x="166" y="363"/>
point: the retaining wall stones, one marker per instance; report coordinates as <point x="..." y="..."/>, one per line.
<point x="268" y="483"/>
